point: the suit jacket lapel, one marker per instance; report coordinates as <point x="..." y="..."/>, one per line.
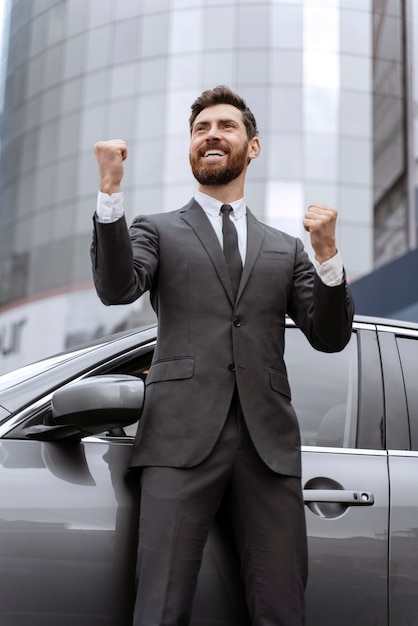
<point x="196" y="218"/>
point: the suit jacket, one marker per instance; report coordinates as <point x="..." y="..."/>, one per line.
<point x="207" y="344"/>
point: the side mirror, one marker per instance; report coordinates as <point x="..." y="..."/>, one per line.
<point x="99" y="403"/>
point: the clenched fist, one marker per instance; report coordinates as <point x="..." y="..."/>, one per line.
<point x="320" y="222"/>
<point x="110" y="156"/>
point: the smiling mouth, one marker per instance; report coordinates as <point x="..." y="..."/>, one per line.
<point x="214" y="153"/>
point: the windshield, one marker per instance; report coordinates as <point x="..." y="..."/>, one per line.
<point x="28" y="371"/>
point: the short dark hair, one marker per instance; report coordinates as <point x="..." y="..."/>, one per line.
<point x="224" y="95"/>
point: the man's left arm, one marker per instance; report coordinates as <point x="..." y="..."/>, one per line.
<point x="333" y="306"/>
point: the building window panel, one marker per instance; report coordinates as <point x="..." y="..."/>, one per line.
<point x="66" y="180"/>
<point x="152" y="75"/>
<point x="219" y="26"/>
<point x="74" y="57"/>
<point x="42" y="228"/>
<point x="69" y="136"/>
<point x="321" y="69"/>
<point x="186" y="31"/>
<point x="154" y="35"/>
<point x="355" y="73"/>
<point x="92" y="127"/>
<point x="122" y="118"/>
<point x="356" y="114"/>
<point x="129" y="9"/>
<point x="356" y="204"/>
<point x="51" y="104"/>
<point x="101" y="12"/>
<point x="36" y="69"/>
<point x="357" y="5"/>
<point x="355" y="33"/>
<point x="45" y="188"/>
<point x="86" y="176"/>
<point x="218" y="68"/>
<point x="38" y="35"/>
<point x="149" y="116"/>
<point x="48" y="143"/>
<point x="286" y="109"/>
<point x="285" y="156"/>
<point x="148" y="161"/>
<point x="96" y="87"/>
<point x="321" y="110"/>
<point x="286" y="67"/>
<point x="77" y="16"/>
<point x="285" y="206"/>
<point x="286" y="26"/>
<point x="185" y="71"/>
<point x="178" y="112"/>
<point x="71" y="95"/>
<point x="321" y="27"/>
<point x="177" y="166"/>
<point x="126" y="46"/>
<point x="253" y="66"/>
<point x="123" y="81"/>
<point x="356" y="161"/>
<point x="324" y="193"/>
<point x="321" y="158"/>
<point x="248" y="35"/>
<point x="56" y="24"/>
<point x="99" y="47"/>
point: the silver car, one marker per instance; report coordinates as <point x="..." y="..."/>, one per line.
<point x="69" y="506"/>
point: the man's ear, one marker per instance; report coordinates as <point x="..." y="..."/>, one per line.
<point x="254" y="148"/>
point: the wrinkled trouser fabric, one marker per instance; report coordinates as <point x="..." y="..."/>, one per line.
<point x="267" y="516"/>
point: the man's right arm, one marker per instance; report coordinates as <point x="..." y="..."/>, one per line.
<point x="118" y="277"/>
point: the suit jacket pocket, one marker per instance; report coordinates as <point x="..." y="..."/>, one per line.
<point x="276" y="255"/>
<point x="170" y="369"/>
<point x="279" y="382"/>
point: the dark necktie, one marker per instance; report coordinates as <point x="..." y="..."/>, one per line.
<point x="231" y="250"/>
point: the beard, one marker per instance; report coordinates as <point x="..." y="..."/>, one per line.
<point x="212" y="175"/>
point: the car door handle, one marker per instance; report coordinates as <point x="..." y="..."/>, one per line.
<point x="342" y="496"/>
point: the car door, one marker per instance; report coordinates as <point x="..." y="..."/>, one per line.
<point x="68" y="517"/>
<point x="68" y="525"/>
<point x="339" y="402"/>
<point x="400" y="363"/>
<point x="67" y="534"/>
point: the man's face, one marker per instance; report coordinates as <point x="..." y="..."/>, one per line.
<point x="220" y="149"/>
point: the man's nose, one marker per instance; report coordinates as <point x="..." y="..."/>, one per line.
<point x="213" y="133"/>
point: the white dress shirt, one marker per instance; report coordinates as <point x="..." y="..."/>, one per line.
<point x="110" y="208"/>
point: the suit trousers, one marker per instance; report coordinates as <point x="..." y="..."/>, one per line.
<point x="266" y="513"/>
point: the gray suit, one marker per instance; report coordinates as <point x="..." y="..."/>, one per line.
<point x="208" y="345"/>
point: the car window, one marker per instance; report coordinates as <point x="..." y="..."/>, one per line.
<point x="324" y="391"/>
<point x="408" y="351"/>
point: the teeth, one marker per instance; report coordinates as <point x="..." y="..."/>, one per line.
<point x="214" y="153"/>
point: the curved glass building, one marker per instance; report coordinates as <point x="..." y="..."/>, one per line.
<point x="324" y="78"/>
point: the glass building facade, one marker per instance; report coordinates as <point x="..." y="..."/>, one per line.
<point x="78" y="71"/>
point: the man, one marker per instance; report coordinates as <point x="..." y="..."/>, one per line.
<point x="217" y="423"/>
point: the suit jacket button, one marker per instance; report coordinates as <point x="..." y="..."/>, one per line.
<point x="237" y="322"/>
<point x="231" y="367"/>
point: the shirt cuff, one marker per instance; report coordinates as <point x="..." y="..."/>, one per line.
<point x="109" y="208"/>
<point x="331" y="272"/>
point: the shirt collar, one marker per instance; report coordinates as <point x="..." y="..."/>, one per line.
<point x="212" y="206"/>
